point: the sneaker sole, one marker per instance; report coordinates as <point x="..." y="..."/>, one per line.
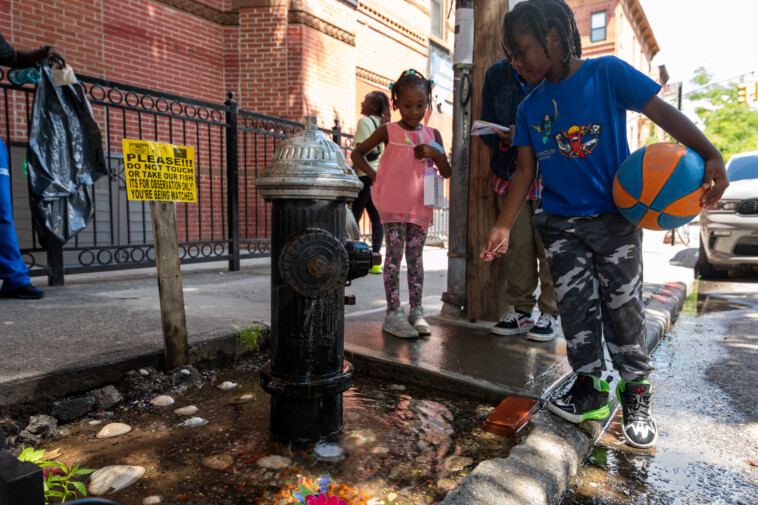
<point x="400" y="335"/>
<point x="537" y="337"/>
<point x="508" y="331"/>
<point x="600" y="413"/>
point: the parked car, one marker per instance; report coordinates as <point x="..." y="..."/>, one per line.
<point x="729" y="231"/>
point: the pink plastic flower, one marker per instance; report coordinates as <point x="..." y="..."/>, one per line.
<point x="322" y="499"/>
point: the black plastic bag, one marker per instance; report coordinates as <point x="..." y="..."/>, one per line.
<point x="64" y="157"/>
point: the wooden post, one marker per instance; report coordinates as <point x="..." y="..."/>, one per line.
<point x="175" y="349"/>
<point x="485" y="282"/>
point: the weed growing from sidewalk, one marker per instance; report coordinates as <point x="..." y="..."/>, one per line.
<point x="247" y="338"/>
<point x="57" y="477"/>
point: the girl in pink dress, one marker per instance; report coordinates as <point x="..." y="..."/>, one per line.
<point x="398" y="195"/>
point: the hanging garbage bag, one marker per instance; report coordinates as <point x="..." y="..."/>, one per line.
<point x="64" y="157"/>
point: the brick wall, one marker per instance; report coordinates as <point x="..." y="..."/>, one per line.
<point x="289" y="61"/>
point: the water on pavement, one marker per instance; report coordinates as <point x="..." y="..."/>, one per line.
<point x="705" y="408"/>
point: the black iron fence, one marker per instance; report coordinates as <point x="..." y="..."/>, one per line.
<point x="230" y="220"/>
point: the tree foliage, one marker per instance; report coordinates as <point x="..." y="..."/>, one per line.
<point x="730" y="125"/>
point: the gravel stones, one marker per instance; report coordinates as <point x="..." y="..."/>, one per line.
<point x="112" y="479"/>
<point x="113" y="430"/>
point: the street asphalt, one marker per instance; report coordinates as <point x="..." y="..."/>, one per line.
<point x="90" y="332"/>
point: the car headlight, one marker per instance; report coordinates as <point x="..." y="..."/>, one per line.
<point x="726" y="206"/>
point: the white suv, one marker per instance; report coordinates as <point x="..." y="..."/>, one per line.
<point x="729" y="231"/>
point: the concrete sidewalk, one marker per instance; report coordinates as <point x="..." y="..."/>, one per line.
<point x="90" y="332"/>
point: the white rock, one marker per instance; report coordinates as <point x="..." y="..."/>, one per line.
<point x="152" y="500"/>
<point x="328" y="452"/>
<point x="227" y="385"/>
<point x="274" y="462"/>
<point x="113" y="430"/>
<point x="186" y="411"/>
<point x="457" y="463"/>
<point x="380" y="449"/>
<point x="95" y="422"/>
<point x="144" y="372"/>
<point x="391" y="496"/>
<point x="113" y="479"/>
<point x="162" y="401"/>
<point x="218" y="461"/>
<point x="242" y="399"/>
<point x="397" y="387"/>
<point x="185" y="371"/>
<point x="194" y="422"/>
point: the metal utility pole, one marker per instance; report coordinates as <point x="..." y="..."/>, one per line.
<point x="463" y="63"/>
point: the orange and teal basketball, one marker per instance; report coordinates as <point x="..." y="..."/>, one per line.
<point x="659" y="186"/>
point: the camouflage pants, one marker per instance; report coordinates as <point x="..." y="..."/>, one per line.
<point x="596" y="265"/>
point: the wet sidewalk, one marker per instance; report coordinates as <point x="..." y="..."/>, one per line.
<point x="98" y="326"/>
<point x="92" y="331"/>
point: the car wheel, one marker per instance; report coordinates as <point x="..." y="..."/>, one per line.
<point x="704" y="268"/>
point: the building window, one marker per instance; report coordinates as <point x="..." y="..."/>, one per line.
<point x="436" y="17"/>
<point x="597" y="26"/>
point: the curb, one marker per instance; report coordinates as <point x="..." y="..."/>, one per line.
<point x="215" y="347"/>
<point x="539" y="470"/>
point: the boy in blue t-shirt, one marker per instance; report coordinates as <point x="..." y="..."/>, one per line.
<point x="574" y="124"/>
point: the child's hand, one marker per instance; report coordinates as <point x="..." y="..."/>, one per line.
<point x="497" y="243"/>
<point x="716" y="172"/>
<point x="506" y="138"/>
<point x="425" y="151"/>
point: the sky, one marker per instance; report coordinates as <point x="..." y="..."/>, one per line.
<point x="721" y="35"/>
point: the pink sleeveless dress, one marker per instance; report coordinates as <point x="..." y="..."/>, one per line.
<point x="398" y="193"/>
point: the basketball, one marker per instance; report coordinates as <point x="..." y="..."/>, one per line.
<point x="658" y="187"/>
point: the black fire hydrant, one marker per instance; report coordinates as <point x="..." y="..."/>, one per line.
<point x="309" y="183"/>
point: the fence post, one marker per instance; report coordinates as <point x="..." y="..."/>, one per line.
<point x="232" y="184"/>
<point x="337" y="133"/>
<point x="55" y="266"/>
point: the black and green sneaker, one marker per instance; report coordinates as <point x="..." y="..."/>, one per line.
<point x="587" y="399"/>
<point x="637" y="425"/>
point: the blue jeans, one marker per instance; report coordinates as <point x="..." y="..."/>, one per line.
<point x="13" y="270"/>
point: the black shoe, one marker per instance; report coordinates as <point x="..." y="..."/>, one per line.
<point x="587" y="399"/>
<point x="513" y="323"/>
<point x="544" y="329"/>
<point x="27" y="292"/>
<point x="637" y="425"/>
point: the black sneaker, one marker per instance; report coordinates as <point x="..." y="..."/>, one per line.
<point x="587" y="399"/>
<point x="637" y="424"/>
<point x="27" y="292"/>
<point x="544" y="329"/>
<point x="514" y="322"/>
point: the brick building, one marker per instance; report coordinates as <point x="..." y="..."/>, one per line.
<point x="283" y="58"/>
<point x="620" y="28"/>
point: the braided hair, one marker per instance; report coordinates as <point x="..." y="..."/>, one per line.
<point x="409" y="78"/>
<point x="379" y="105"/>
<point x="538" y="17"/>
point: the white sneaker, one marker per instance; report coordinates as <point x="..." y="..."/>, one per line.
<point x="544" y="329"/>
<point x="513" y="322"/>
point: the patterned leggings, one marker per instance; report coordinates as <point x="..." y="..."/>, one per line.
<point x="412" y="237"/>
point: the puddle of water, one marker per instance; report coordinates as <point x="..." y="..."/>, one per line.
<point x="400" y="445"/>
<point x="700" y="303"/>
<point x="705" y="446"/>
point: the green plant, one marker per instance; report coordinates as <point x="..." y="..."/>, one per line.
<point x="247" y="338"/>
<point x="57" y="477"/>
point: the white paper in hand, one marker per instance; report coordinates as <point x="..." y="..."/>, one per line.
<point x="486" y="128"/>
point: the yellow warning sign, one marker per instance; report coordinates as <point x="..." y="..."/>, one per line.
<point x="159" y="172"/>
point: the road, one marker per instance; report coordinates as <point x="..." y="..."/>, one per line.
<point x="706" y="407"/>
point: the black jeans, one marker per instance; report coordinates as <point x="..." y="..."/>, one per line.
<point x="364" y="202"/>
